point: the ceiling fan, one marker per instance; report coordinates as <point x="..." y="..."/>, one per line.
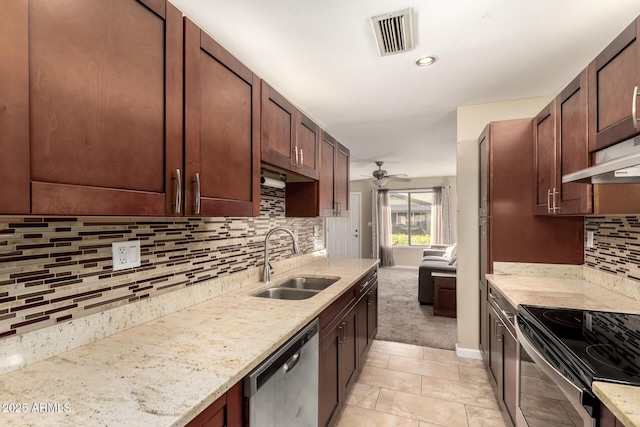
<point x="380" y="176"/>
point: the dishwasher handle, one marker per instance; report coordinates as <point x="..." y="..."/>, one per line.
<point x="291" y="363"/>
<point x="286" y="357"/>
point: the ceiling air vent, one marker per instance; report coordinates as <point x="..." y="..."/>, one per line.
<point x="394" y="32"/>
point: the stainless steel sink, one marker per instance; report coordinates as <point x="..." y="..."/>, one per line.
<point x="297" y="288"/>
<point x="312" y="283"/>
<point x="285" y="293"/>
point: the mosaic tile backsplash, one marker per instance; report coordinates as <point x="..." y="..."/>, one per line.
<point x="616" y="245"/>
<point x="54" y="269"/>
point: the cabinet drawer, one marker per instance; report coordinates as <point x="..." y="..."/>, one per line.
<point x="332" y="314"/>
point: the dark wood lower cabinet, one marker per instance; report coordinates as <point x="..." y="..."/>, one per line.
<point x="607" y="419"/>
<point x="347" y="329"/>
<point x="502" y="351"/>
<point x="224" y="412"/>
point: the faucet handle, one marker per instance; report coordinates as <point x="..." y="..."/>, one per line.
<point x="271" y="270"/>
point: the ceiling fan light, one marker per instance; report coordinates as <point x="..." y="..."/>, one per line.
<point x="380" y="182"/>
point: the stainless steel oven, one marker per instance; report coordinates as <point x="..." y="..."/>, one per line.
<point x="561" y="352"/>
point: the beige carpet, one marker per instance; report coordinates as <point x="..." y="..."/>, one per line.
<point x="401" y="318"/>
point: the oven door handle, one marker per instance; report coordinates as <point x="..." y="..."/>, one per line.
<point x="573" y="393"/>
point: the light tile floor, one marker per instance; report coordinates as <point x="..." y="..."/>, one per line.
<point x="407" y="385"/>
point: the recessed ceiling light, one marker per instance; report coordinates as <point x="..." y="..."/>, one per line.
<point x="425" y="61"/>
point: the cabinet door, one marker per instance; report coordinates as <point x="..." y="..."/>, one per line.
<point x="613" y="76"/>
<point x="483" y="201"/>
<point x="278" y="129"/>
<point x="15" y="192"/>
<point x="341" y="180"/>
<point x="510" y="363"/>
<point x="328" y="149"/>
<point x="545" y="160"/>
<point x="104" y="84"/>
<point x="362" y="317"/>
<point x="372" y="313"/>
<point x="224" y="412"/>
<point x="329" y="376"/>
<point x="221" y="130"/>
<point x="495" y="350"/>
<point x="573" y="146"/>
<point x="308" y="146"/>
<point x="348" y="353"/>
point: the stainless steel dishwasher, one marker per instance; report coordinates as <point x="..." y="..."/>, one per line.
<point x="283" y="390"/>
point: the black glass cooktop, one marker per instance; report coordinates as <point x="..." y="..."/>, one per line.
<point x="586" y="345"/>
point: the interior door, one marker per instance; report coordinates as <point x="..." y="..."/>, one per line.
<point x="343" y="233"/>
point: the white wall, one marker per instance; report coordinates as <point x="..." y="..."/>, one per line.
<point x="364" y="187"/>
<point x="471" y="120"/>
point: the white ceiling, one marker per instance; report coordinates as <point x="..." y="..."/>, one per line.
<point x="322" y="56"/>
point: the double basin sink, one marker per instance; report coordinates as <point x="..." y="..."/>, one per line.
<point x="297" y="288"/>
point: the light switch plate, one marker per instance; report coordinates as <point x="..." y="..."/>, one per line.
<point x="125" y="254"/>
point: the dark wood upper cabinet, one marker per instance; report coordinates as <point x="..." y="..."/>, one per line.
<point x="278" y="129"/>
<point x="328" y="153"/>
<point x="290" y="140"/>
<point x="544" y="125"/>
<point x="334" y="177"/>
<point x="572" y="147"/>
<point x="562" y="146"/>
<point x="93" y="123"/>
<point x="341" y="180"/>
<point x="308" y="146"/>
<point x="329" y="196"/>
<point x="222" y="130"/>
<point x="613" y="77"/>
<point x="14" y="114"/>
<point x="514" y="233"/>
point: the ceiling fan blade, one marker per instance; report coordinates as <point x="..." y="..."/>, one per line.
<point x="398" y="175"/>
<point x="398" y="178"/>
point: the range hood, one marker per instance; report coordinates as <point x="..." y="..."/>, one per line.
<point x="618" y="164"/>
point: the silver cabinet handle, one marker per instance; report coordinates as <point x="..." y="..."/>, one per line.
<point x="555" y="201"/>
<point x="198" y="199"/>
<point x="498" y="334"/>
<point x="295" y="150"/>
<point x="178" y="190"/>
<point x="301" y="158"/>
<point x="548" y="200"/>
<point x="634" y="110"/>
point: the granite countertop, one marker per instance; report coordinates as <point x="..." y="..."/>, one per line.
<point x="622" y="401"/>
<point x="166" y="371"/>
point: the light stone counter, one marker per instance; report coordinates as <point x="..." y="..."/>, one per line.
<point x="623" y="401"/>
<point x="166" y="371"/>
<point x="566" y="293"/>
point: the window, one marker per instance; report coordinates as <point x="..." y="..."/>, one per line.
<point x="411" y="217"/>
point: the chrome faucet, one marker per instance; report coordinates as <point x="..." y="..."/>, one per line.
<point x="267" y="266"/>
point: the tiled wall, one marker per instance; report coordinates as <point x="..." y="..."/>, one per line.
<point x="616" y="245"/>
<point x="56" y="269"/>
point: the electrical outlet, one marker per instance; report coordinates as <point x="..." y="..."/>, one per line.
<point x="316" y="231"/>
<point x="590" y="239"/>
<point x="125" y="254"/>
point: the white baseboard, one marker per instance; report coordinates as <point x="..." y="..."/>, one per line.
<point x="469" y="353"/>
